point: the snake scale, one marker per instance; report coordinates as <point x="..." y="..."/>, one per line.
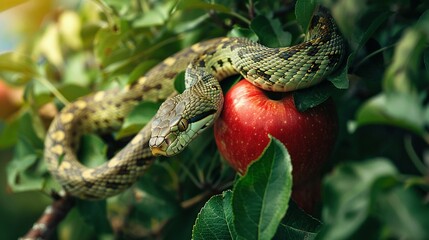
<point x="182" y="116"/>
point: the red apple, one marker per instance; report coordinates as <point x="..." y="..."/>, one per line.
<point x="250" y="114"/>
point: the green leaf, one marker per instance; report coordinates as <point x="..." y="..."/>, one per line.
<point x="347" y="196"/>
<point x="18" y="176"/>
<point x="215" y="219"/>
<point x="77" y="72"/>
<point x="397" y="109"/>
<point x="140" y="70"/>
<point x="400" y="104"/>
<point x="423" y="19"/>
<point x="17" y="68"/>
<point x="290" y="233"/>
<point x="297" y="224"/>
<point x="179" y="82"/>
<point x="20" y="173"/>
<point x="228" y="212"/>
<point x="25" y="171"/>
<point x="311" y="97"/>
<point x="270" y="32"/>
<point x="94" y="214"/>
<point x="138" y="118"/>
<point x="72" y="92"/>
<point x="193" y="21"/>
<point x="426" y="116"/>
<point x="106" y="44"/>
<point x="156" y="202"/>
<point x="9" y="133"/>
<point x="339" y="78"/>
<point x="180" y="226"/>
<point x="199" y="4"/>
<point x="92" y="150"/>
<point x="268" y="183"/>
<point x="243" y="33"/>
<point x="11" y="61"/>
<point x="29" y="130"/>
<point x="304" y="10"/>
<point x="154" y="17"/>
<point x="426" y="59"/>
<point x="401" y="210"/>
<point x="261" y="197"/>
<point x="368" y="199"/>
<point x="406" y="62"/>
<point x="74" y="220"/>
<point x="38" y="92"/>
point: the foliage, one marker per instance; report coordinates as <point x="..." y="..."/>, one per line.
<point x="376" y="184"/>
<point x="263" y="190"/>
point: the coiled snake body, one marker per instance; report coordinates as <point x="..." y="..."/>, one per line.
<point x="181" y="117"/>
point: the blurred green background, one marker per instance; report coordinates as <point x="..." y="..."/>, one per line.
<point x="377" y="178"/>
<point x="18" y="211"/>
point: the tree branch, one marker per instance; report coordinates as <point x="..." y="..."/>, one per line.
<point x="45" y="226"/>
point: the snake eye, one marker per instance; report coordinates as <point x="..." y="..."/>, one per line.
<point x="182" y="125"/>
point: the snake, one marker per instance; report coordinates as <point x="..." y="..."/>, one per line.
<point x="181" y="117"/>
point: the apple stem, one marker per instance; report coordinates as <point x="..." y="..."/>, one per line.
<point x="276" y="96"/>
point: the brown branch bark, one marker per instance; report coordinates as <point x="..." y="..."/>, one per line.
<point x="45" y="226"/>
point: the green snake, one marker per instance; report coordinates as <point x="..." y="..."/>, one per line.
<point x="181" y="117"/>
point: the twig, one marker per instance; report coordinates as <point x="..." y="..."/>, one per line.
<point x="45" y="226"/>
<point x="53" y="90"/>
<point x="414" y="157"/>
<point x="251" y="10"/>
<point x="196" y="199"/>
<point x="357" y="65"/>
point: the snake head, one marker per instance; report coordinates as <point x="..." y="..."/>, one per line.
<point x="181" y="118"/>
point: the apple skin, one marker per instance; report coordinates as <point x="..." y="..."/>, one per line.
<point x="249" y="114"/>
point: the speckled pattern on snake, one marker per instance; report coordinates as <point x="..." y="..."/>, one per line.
<point x="181" y="117"/>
